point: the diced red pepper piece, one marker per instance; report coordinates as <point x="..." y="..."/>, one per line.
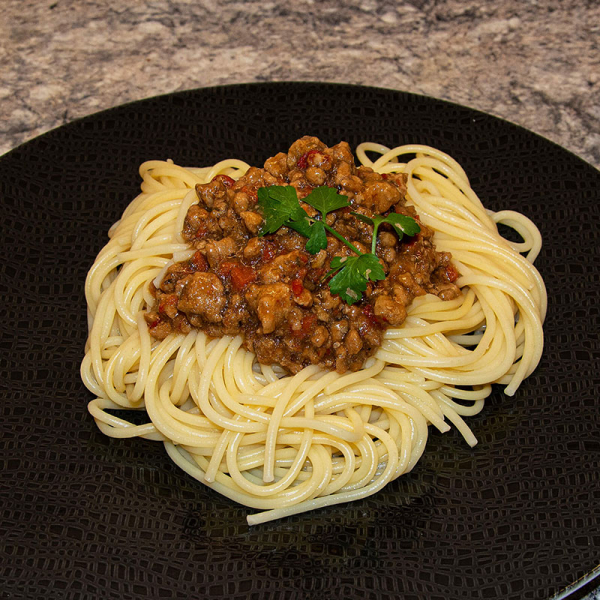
<point x="308" y="324"/>
<point x="198" y="262"/>
<point x="241" y="276"/>
<point x="297" y="287"/>
<point x="303" y="160"/>
<point x="224" y="179"/>
<point x="269" y="252"/>
<point x="451" y="273"/>
<point x="251" y="192"/>
<point x="373" y="320"/>
<point x="226" y="266"/>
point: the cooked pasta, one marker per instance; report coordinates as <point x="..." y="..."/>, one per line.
<point x="286" y="443"/>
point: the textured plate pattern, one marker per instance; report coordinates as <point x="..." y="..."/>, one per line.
<point x="84" y="516"/>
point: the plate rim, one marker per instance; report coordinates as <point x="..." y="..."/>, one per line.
<point x="283" y="83"/>
<point x="10" y="155"/>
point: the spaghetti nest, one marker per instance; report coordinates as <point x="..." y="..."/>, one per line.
<point x="287" y="444"/>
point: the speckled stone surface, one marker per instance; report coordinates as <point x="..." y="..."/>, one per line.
<point x="536" y="63"/>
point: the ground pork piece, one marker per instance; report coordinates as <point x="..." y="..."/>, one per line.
<point x="315" y="176"/>
<point x="318" y="260"/>
<point x="277" y="165"/>
<point x="401" y="295"/>
<point x="301" y="147"/>
<point x="216" y="252"/>
<point x="211" y="192"/>
<point x="236" y="315"/>
<point x="342" y="152"/>
<point x="271" y="302"/>
<point x="304" y="298"/>
<point x="282" y="268"/>
<point x="339" y="329"/>
<point x="241" y="202"/>
<point x="320" y="336"/>
<point x="267" y="348"/>
<point x="448" y="291"/>
<point x="254" y="177"/>
<point x="231" y="225"/>
<point x="200" y="224"/>
<point x="408" y="281"/>
<point x="389" y="255"/>
<point x="270" y="179"/>
<point x="252" y="220"/>
<point x="389" y="310"/>
<point x="254" y="248"/>
<point x="381" y="195"/>
<point x="353" y="342"/>
<point x="328" y="300"/>
<point x="158" y="328"/>
<point x="202" y="294"/>
<point x="343" y="172"/>
<point x="387" y="240"/>
<point x="172" y="275"/>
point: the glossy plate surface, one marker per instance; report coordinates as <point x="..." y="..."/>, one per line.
<point x="82" y="515"/>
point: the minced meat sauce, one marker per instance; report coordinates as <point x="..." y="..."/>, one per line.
<point x="271" y="290"/>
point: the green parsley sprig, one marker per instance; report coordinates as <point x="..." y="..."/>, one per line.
<point x="281" y="207"/>
<point x="402" y="225"/>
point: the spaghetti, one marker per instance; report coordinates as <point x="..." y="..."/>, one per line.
<point x="285" y="444"/>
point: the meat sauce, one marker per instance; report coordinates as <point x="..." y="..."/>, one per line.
<point x="270" y="290"/>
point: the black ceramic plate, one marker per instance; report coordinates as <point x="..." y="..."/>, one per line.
<point x="85" y="516"/>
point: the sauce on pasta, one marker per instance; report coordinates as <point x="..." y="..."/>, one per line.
<point x="271" y="290"/>
<point x="288" y="441"/>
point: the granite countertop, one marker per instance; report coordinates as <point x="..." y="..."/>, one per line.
<point x="535" y="62"/>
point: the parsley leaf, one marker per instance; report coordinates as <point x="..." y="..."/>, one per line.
<point x="401" y="224"/>
<point x="280" y="205"/>
<point x="349" y="274"/>
<point x="302" y="226"/>
<point x="317" y="238"/>
<point x="326" y="199"/>
<point x="352" y="275"/>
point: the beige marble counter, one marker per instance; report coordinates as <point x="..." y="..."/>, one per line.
<point x="536" y="63"/>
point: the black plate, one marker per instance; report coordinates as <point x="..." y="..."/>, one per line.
<point x="82" y="515"/>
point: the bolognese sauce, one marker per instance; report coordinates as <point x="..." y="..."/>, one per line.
<point x="271" y="290"/>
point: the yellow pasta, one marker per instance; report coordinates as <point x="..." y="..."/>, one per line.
<point x="285" y="444"/>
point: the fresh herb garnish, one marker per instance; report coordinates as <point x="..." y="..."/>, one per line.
<point x="281" y="207"/>
<point x="352" y="274"/>
<point x="401" y="224"/>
